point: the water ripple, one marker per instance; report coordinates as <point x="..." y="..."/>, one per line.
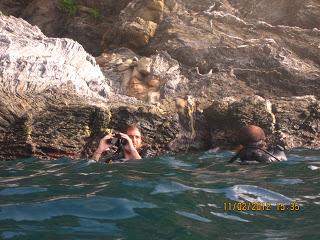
<point x="94" y="207"/>
<point x="21" y="191"/>
<point x="228" y="216"/>
<point x="193" y="216"/>
<point x="180" y="197"/>
<point x="255" y="194"/>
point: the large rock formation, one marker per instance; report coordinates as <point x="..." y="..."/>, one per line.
<point x="215" y="36"/>
<point x="54" y="98"/>
<point x="31" y="62"/>
<point x="84" y="21"/>
<point x="137" y="24"/>
<point x="294" y="13"/>
<point x="191" y="72"/>
<point x="292" y="122"/>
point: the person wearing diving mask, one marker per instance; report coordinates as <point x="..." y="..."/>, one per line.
<point x="253" y="147"/>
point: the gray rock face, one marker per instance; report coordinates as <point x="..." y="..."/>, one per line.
<point x="298" y="121"/>
<point x="220" y="36"/>
<point x="54" y="99"/>
<point x="84" y="21"/>
<point x="209" y="67"/>
<point x="304" y="14"/>
<point x="31" y="62"/>
<point x="12" y="7"/>
<point x="115" y="67"/>
<point x="291" y="122"/>
<point x="56" y="20"/>
<point x="136" y="25"/>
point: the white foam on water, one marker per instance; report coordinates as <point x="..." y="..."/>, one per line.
<point x="174" y="187"/>
<point x="312" y="167"/>
<point x="213" y="205"/>
<point x="193" y="216"/>
<point x="251" y="193"/>
<point x="311" y="197"/>
<point x="230" y="217"/>
<point x="171" y="187"/>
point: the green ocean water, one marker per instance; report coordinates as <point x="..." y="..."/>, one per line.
<point x="192" y="196"/>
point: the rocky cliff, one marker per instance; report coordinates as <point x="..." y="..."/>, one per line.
<point x="191" y="72"/>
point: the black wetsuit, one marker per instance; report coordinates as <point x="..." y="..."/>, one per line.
<point x="118" y="156"/>
<point x="254" y="154"/>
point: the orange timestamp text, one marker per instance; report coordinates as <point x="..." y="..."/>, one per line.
<point x="260" y="206"/>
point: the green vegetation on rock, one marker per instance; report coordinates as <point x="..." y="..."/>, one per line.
<point x="94" y="13"/>
<point x="70" y="6"/>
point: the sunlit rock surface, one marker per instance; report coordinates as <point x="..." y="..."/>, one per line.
<point x="31" y="62"/>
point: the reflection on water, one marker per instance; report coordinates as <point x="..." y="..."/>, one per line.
<point x="228" y="216"/>
<point x="193" y="216"/>
<point x="171" y="187"/>
<point x="312" y="167"/>
<point x="171" y="197"/>
<point x="21" y="190"/>
<point x="94" y="207"/>
<point x="250" y="193"/>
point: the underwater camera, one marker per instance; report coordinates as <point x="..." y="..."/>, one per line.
<point x="117" y="140"/>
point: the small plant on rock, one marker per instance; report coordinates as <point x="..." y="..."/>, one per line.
<point x="94" y="13"/>
<point x="70" y="6"/>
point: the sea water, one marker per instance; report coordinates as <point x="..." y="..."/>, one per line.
<point x="193" y="196"/>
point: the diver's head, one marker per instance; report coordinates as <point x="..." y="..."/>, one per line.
<point x="251" y="134"/>
<point x="135" y="134"/>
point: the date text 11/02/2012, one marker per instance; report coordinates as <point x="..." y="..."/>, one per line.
<point x="260" y="206"/>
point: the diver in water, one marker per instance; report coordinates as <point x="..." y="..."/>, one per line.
<point x="253" y="147"/>
<point x="129" y="146"/>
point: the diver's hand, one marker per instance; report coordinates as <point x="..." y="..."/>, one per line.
<point x="103" y="147"/>
<point x="129" y="146"/>
<point x="131" y="152"/>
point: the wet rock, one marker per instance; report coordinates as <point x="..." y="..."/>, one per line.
<point x="227" y="116"/>
<point x="297" y="128"/>
<point x="54" y="124"/>
<point x="282" y="119"/>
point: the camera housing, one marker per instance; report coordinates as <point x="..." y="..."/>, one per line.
<point x="117" y="140"/>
